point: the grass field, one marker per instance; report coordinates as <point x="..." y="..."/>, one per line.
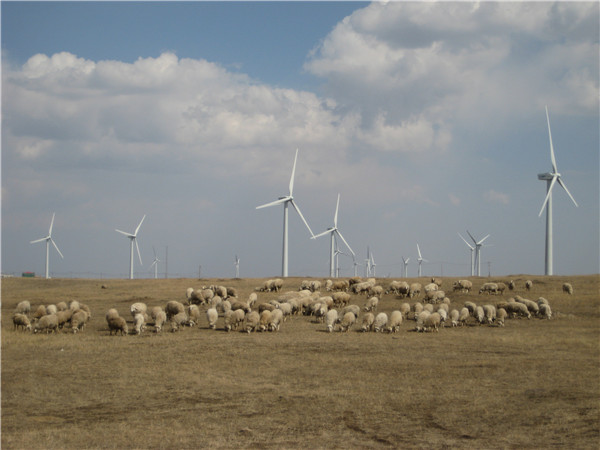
<point x="531" y="384"/>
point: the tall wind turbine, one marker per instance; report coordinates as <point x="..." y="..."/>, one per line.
<point x="132" y="239"/>
<point x="551" y="178"/>
<point x="420" y="259"/>
<point x="286" y="200"/>
<point x="478" y="245"/>
<point x="472" y="255"/>
<point x="368" y="263"/>
<point x="334" y="232"/>
<point x="49" y="239"/>
<point x="405" y="262"/>
<point x="237" y="266"/>
<point x="373" y="265"/>
<point x="155" y="263"/>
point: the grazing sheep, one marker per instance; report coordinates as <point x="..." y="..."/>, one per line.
<point x="354" y="309"/>
<point x="232" y="292"/>
<point x="285" y="308"/>
<point x="138" y="308"/>
<point x="212" y="316"/>
<point x="415" y="290"/>
<point x="340" y="285"/>
<point x="462" y="286"/>
<point x="428" y="307"/>
<point x="39" y="312"/>
<point x="367" y="322"/>
<point x="138" y="323"/>
<point x="545" y="311"/>
<point x="21" y="320"/>
<point x="568" y="288"/>
<point x="265" y="320"/>
<point x="74" y="305"/>
<point x="276" y="319"/>
<point x="489" y="288"/>
<point x="443" y="314"/>
<point x="78" y="320"/>
<point x="117" y="324"/>
<point x="86" y="308"/>
<point x="47" y="323"/>
<point x="489" y="312"/>
<point x="154" y="311"/>
<point x="179" y="320"/>
<point x="328" y="285"/>
<point x="464" y="316"/>
<point x="111" y="313"/>
<point x="417" y="309"/>
<point x="405" y="309"/>
<point x="23" y="307"/>
<point x="528" y="285"/>
<point x="252" y="299"/>
<point x="252" y="321"/>
<point x="454" y="317"/>
<point x="340" y="298"/>
<point x="331" y="318"/>
<point x="437" y="281"/>
<point x="160" y="318"/>
<point x="435" y="296"/>
<point x="430" y="287"/>
<point x="541" y="301"/>
<point x="501" y="316"/>
<point x="371" y="304"/>
<point x="64" y="317"/>
<point x="194" y="314"/>
<point x="511" y="285"/>
<point x="432" y="322"/>
<point x="241" y="305"/>
<point x="479" y="314"/>
<point x="173" y="307"/>
<point x="471" y="307"/>
<point x="395" y="321"/>
<point x="51" y="309"/>
<point x="188" y="294"/>
<point x="230" y="320"/>
<point x="203" y="296"/>
<point x="501" y="288"/>
<point x="420" y="319"/>
<point x="375" y="291"/>
<point x="348" y="320"/>
<point x="517" y="309"/>
<point x="532" y="306"/>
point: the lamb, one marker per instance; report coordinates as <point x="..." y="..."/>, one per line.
<point x="179" y="320"/>
<point x="23" y="307"/>
<point x="47" y="323"/>
<point x="252" y="321"/>
<point x="21" y="320"/>
<point x="367" y="322"/>
<point x="212" y="316"/>
<point x="528" y="285"/>
<point x="545" y="311"/>
<point x="489" y="288"/>
<point x="463" y="316"/>
<point x="117" y="324"/>
<point x="568" y="288"/>
<point x="265" y="320"/>
<point x="348" y="321"/>
<point x="380" y="322"/>
<point x="78" y="320"/>
<point x="454" y="317"/>
<point x="501" y="316"/>
<point x="331" y="319"/>
<point x="415" y="290"/>
<point x="371" y="304"/>
<point x="160" y="318"/>
<point x="432" y="322"/>
<point x="395" y="321"/>
<point x="462" y="285"/>
<point x="173" y="307"/>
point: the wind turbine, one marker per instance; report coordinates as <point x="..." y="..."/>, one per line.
<point x="155" y="264"/>
<point x="478" y="246"/>
<point x="472" y="255"/>
<point x="132" y="239"/>
<point x="405" y="262"/>
<point x="237" y="266"/>
<point x="335" y="232"/>
<point x="49" y="239"/>
<point x="355" y="264"/>
<point x="420" y="259"/>
<point x="373" y="265"/>
<point x="368" y="263"/>
<point x="286" y="200"/>
<point x="551" y="178"/>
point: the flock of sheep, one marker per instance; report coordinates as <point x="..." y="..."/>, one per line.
<point x="431" y="310"/>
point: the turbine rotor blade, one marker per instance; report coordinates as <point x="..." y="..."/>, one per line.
<point x="548" y="195"/>
<point x="39" y="240"/>
<point x="129" y="235"/>
<point x="419" y="251"/>
<point x="344" y="240"/>
<point x="560" y="181"/>
<point x="479" y="243"/>
<point x="554" y="168"/>
<point x="468" y="245"/>
<point x="138" y="252"/>
<point x="276" y="202"/>
<point x="293" y="173"/>
<point x="56" y="247"/>
<point x="471" y="236"/>
<point x="336" y="212"/>
<point x="51" y="225"/>
<point x="331" y="230"/>
<point x="301" y="216"/>
<point x="138" y="227"/>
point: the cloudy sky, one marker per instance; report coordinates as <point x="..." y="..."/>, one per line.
<point x="427" y="118"/>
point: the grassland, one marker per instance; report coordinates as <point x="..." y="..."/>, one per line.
<point x="531" y="384"/>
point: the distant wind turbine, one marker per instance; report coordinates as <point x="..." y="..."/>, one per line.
<point x="49" y="239"/>
<point x="405" y="262"/>
<point x="237" y="266"/>
<point x="551" y="178"/>
<point x="478" y="245"/>
<point x="373" y="265"/>
<point x="472" y="255"/>
<point x="132" y="239"/>
<point x="368" y="263"/>
<point x="334" y="232"/>
<point x="285" y="200"/>
<point x="155" y="263"/>
<point x="420" y="259"/>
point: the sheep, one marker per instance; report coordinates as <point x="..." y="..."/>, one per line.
<point x="252" y="321"/>
<point x="179" y="320"/>
<point x="437" y="281"/>
<point x="454" y="317"/>
<point x="240" y="305"/>
<point x="86" y="308"/>
<point x="435" y="296"/>
<point x="432" y="322"/>
<point x="21" y="320"/>
<point x="361" y="288"/>
<point x="545" y="311"/>
<point x="48" y="323"/>
<point x="347" y="321"/>
<point x="78" y="320"/>
<point x="231" y="319"/>
<point x="276" y="319"/>
<point x="462" y="286"/>
<point x="354" y="309"/>
<point x="428" y="307"/>
<point x="501" y="316"/>
<point x="64" y="317"/>
<point x="39" y="312"/>
<point x="371" y="304"/>
<point x="265" y="320"/>
<point x="320" y="311"/>
<point x="51" y="309"/>
<point x="405" y="309"/>
<point x="443" y="306"/>
<point x="328" y="285"/>
<point x="188" y="294"/>
<point x="160" y="318"/>
<point x="479" y="314"/>
<point x="400" y="288"/>
<point x="212" y="316"/>
<point x="415" y="290"/>
<point x="331" y="319"/>
<point x="117" y="324"/>
<point x="327" y="300"/>
<point x="340" y="285"/>
<point x="463" y="315"/>
<point x="517" y="309"/>
<point x="367" y="322"/>
<point x="489" y="288"/>
<point x="430" y="287"/>
<point x="173" y="307"/>
<point x="443" y="314"/>
<point x="489" y="312"/>
<point x="221" y="291"/>
<point x="568" y="288"/>
<point x="138" y="308"/>
<point x="265" y="307"/>
<point x="528" y="285"/>
<point x="532" y="306"/>
<point x="285" y="308"/>
<point x="154" y="311"/>
<point x="395" y="321"/>
<point x="23" y="307"/>
<point x="471" y="307"/>
<point x="542" y="301"/>
<point x="194" y="314"/>
<point x="511" y="285"/>
<point x="252" y="299"/>
<point x="232" y="292"/>
<point x="501" y="288"/>
<point x="202" y="296"/>
<point x="375" y="291"/>
<point x="315" y="285"/>
<point x="216" y="302"/>
<point x="420" y="319"/>
<point x="340" y="298"/>
<point x="74" y="305"/>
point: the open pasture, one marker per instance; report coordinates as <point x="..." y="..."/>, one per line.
<point x="531" y="384"/>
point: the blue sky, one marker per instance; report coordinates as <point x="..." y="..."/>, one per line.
<point x="427" y="118"/>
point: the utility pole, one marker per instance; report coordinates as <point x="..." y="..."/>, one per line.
<point x="167" y="262"/>
<point x="489" y="268"/>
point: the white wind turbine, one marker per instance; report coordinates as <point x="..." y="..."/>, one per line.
<point x="155" y="263"/>
<point x="237" y="266"/>
<point x="472" y="255"/>
<point x="420" y="259"/>
<point x="551" y="178"/>
<point x="478" y="245"/>
<point x="132" y="239"/>
<point x="368" y="263"/>
<point x="49" y="239"/>
<point x="355" y="264"/>
<point x="373" y="265"/>
<point x="335" y="232"/>
<point x="286" y="200"/>
<point x="405" y="262"/>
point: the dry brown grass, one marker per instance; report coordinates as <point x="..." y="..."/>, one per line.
<point x="531" y="384"/>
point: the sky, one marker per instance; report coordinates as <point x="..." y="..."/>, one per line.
<point x="428" y="119"/>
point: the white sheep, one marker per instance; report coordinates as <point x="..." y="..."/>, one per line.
<point x="454" y="317"/>
<point x="367" y="322"/>
<point x="395" y="321"/>
<point x="64" y="317"/>
<point x="432" y="322"/>
<point x="489" y="288"/>
<point x="276" y="319"/>
<point x="348" y="321"/>
<point x="405" y="309"/>
<point x="354" y="309"/>
<point x="380" y="322"/>
<point x="173" y="307"/>
<point x="138" y="308"/>
<point x="160" y="318"/>
<point x="462" y="285"/>
<point x="23" y="307"/>
<point x="371" y="304"/>
<point x="479" y="314"/>
<point x="74" y="305"/>
<point x="489" y="312"/>
<point x="78" y="320"/>
<point x="194" y="314"/>
<point x="252" y="321"/>
<point x="471" y="307"/>
<point x="51" y="309"/>
<point x="443" y="314"/>
<point x="331" y="319"/>
<point x="21" y="320"/>
<point x="417" y="309"/>
<point x="265" y="320"/>
<point x="545" y="311"/>
<point x="340" y="298"/>
<point x="117" y="324"/>
<point x="47" y="323"/>
<point x="138" y="323"/>
<point x="188" y="294"/>
<point x="415" y="290"/>
<point x="501" y="316"/>
<point x="464" y="315"/>
<point x="212" y="316"/>
<point x="179" y="320"/>
<point x="528" y="285"/>
<point x="111" y="313"/>
<point x="568" y="288"/>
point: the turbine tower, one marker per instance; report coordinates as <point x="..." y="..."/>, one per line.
<point x="368" y="263"/>
<point x="155" y="263"/>
<point x="286" y="200"/>
<point x="551" y="178"/>
<point x="420" y="259"/>
<point x="335" y="232"/>
<point x="237" y="266"/>
<point x="49" y="239"/>
<point x="132" y="239"/>
<point x="405" y="262"/>
<point x="373" y="265"/>
<point x="472" y="255"/>
<point x="478" y="245"/>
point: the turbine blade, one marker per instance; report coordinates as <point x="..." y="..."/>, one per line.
<point x="468" y="245"/>
<point x="56" y="247"/>
<point x="479" y="243"/>
<point x="419" y="251"/>
<point x="123" y="232"/>
<point x="276" y="202"/>
<point x="301" y="216"/>
<point x="138" y="252"/>
<point x="331" y="230"/>
<point x="560" y="181"/>
<point x="548" y="195"/>
<point x="554" y="168"/>
<point x="336" y="212"/>
<point x="138" y="227"/>
<point x="39" y="240"/>
<point x="293" y="173"/>
<point x="153" y="263"/>
<point x="344" y="240"/>
<point x="51" y="225"/>
<point x="471" y="236"/>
